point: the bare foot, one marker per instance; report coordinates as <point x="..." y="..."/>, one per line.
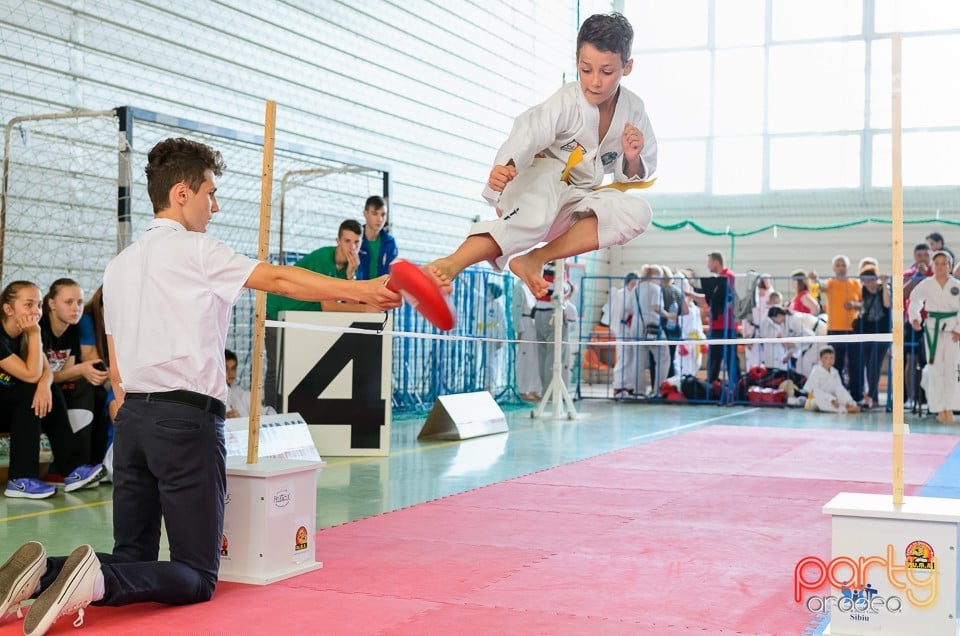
<point x="443" y="272"/>
<point x="946" y="417"/>
<point x="528" y="269"/>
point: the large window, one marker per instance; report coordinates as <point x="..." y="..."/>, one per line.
<point x="755" y="96"/>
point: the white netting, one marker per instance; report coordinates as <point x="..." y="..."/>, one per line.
<point x="60" y="198"/>
<point x="317" y="194"/>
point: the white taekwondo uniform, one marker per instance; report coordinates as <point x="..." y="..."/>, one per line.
<point x="537" y="205"/>
<point x="528" y="368"/>
<point x="941" y="377"/>
<point x="824" y="387"/>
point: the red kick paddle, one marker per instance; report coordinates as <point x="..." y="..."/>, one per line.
<point x="422" y="293"/>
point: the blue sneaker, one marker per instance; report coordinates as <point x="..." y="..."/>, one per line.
<point x="29" y="488"/>
<point x="83" y="476"/>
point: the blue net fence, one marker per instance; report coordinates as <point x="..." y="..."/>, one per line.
<point x="426" y="368"/>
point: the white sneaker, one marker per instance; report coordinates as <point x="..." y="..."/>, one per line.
<point x="67" y="595"/>
<point x="20" y="576"/>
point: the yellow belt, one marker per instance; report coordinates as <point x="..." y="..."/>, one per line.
<point x="577" y="156"/>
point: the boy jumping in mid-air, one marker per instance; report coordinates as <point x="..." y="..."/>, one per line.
<point x="546" y="176"/>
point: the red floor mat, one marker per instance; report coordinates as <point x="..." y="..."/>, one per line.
<point x="694" y="534"/>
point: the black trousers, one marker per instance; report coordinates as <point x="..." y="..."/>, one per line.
<point x="17" y="417"/>
<point x="718" y="355"/>
<point x="91" y="440"/>
<point x="170" y="462"/>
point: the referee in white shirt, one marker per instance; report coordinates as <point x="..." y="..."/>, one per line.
<point x="167" y="301"/>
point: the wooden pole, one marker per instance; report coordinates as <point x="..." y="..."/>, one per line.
<point x="896" y="226"/>
<point x="260" y="310"/>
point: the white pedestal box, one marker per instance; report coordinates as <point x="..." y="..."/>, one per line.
<point x="269" y="526"/>
<point x="894" y="568"/>
<point x="340" y="382"/>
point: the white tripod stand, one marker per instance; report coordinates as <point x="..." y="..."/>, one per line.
<point x="557" y="390"/>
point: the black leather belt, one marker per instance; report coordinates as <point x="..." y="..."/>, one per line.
<point x="188" y="398"/>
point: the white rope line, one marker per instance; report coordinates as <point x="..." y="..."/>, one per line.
<point x="871" y="337"/>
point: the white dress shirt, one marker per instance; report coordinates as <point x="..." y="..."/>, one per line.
<point x="167" y="304"/>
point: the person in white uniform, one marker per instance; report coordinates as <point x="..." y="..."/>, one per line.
<point x="494" y="326"/>
<point x="527" y="365"/>
<point x="571" y="316"/>
<point x="825" y="391"/>
<point x="168" y="299"/>
<point x="774" y="355"/>
<point x="688" y="356"/>
<point x="805" y="356"/>
<point x="652" y="358"/>
<point x="544" y="316"/>
<point x="939" y="295"/>
<point x="753" y="353"/>
<point x="546" y="176"/>
<point x="623" y="312"/>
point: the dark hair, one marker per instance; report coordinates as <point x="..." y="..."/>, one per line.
<point x="55" y="288"/>
<point x="178" y="160"/>
<point x="935" y="236"/>
<point x="374" y="203"/>
<point x="7" y="296"/>
<point x="716" y="256"/>
<point x="349" y="225"/>
<point x="921" y="247"/>
<point x="801" y="277"/>
<point x="827" y="349"/>
<point x="229" y="355"/>
<point x="94" y="309"/>
<point x="609" y="32"/>
<point x="773" y="312"/>
<point x="11" y="291"/>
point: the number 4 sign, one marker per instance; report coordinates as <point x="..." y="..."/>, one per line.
<point x="339" y="382"/>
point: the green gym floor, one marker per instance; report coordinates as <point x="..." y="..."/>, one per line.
<point x="415" y="472"/>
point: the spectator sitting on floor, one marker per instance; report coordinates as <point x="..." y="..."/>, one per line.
<point x="824" y="389"/>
